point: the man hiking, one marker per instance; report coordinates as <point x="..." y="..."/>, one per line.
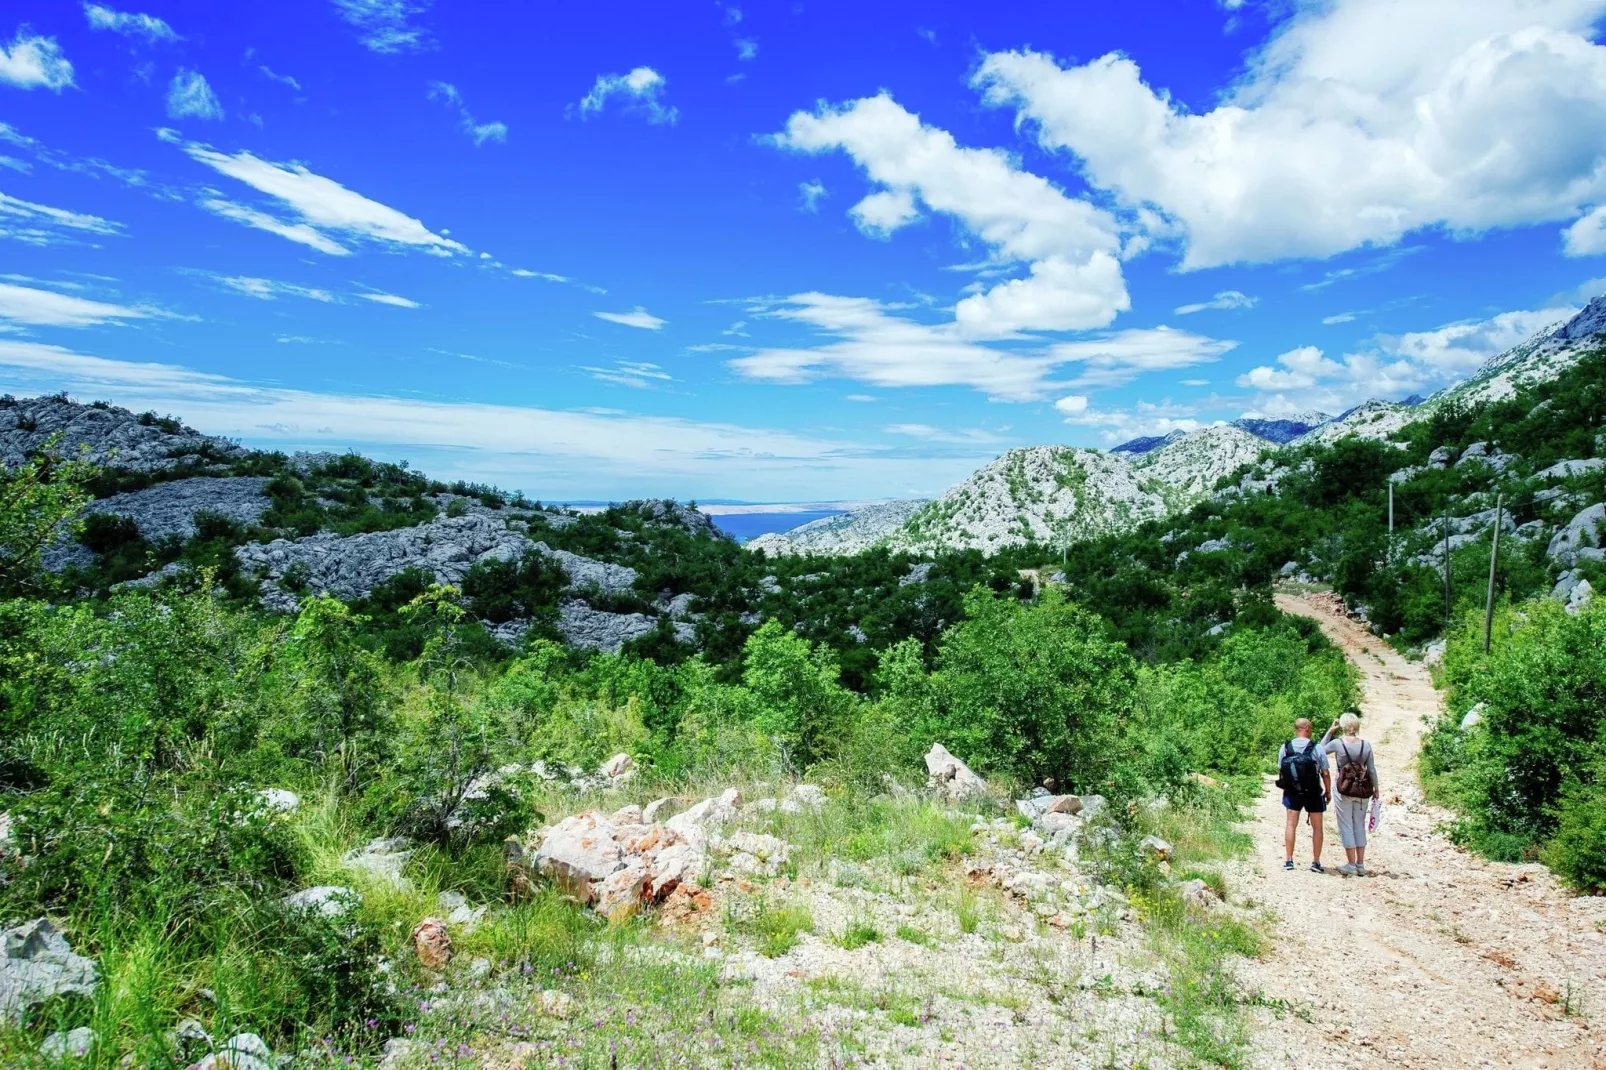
<point x="1308" y="786"/>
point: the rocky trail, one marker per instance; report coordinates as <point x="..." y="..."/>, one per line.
<point x="1437" y="958"/>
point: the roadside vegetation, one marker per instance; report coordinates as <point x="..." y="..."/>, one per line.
<point x="147" y="736"/>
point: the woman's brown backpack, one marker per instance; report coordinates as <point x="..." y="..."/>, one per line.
<point x="1354" y="778"/>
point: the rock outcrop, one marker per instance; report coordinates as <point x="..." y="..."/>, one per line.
<point x="37" y="964"/>
<point x="951" y="777"/>
<point x="168" y="511"/>
<point x="103" y="435"/>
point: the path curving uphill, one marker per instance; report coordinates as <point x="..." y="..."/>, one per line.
<point x="1440" y="959"/>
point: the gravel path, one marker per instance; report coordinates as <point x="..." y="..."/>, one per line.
<point x="1438" y="960"/>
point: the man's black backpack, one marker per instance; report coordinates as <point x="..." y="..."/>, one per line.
<point x="1298" y="772"/>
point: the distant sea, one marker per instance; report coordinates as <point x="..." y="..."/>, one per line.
<point x="745" y="526"/>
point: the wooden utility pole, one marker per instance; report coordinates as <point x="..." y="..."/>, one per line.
<point x="1391" y="522"/>
<point x="1449" y="603"/>
<point x="1494" y="556"/>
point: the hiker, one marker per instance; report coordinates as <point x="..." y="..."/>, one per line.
<point x="1307" y="785"/>
<point x="1357" y="787"/>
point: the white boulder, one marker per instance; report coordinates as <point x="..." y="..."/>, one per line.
<point x="952" y="777"/>
<point x="37" y="964"/>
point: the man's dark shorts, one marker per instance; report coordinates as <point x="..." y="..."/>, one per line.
<point x="1314" y="804"/>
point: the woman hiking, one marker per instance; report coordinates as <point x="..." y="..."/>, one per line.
<point x="1357" y="787"/>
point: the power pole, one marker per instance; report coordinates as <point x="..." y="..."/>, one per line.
<point x="1391" y="523"/>
<point x="1494" y="556"/>
<point x="1449" y="604"/>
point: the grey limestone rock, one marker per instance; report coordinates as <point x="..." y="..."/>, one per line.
<point x="37" y="964"/>
<point x="593" y="629"/>
<point x="1581" y="534"/>
<point x="168" y="510"/>
<point x="1563" y="469"/>
<point x="107" y="436"/>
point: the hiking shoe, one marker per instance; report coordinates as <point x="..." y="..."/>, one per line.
<point x="1348" y="870"/>
<point x="1289" y="865"/>
<point x="1316" y="867"/>
<point x="1360" y="870"/>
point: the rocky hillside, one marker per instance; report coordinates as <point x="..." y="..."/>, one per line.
<point x="845" y="533"/>
<point x="1052" y="494"/>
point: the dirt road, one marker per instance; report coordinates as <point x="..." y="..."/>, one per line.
<point x="1437" y="960"/>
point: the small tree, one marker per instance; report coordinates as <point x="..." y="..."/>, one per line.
<point x="39" y="502"/>
<point x="801" y="703"/>
<point x="339" y="683"/>
<point x="452" y="748"/>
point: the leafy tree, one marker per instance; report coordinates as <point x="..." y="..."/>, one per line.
<point x="340" y="685"/>
<point x="802" y="705"/>
<point x="1032" y="691"/>
<point x="39" y="502"/>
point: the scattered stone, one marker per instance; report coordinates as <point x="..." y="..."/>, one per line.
<point x="620" y="765"/>
<point x="432" y="943"/>
<point x="458" y="911"/>
<point x="663" y="809"/>
<point x="804" y="797"/>
<point x="1199" y="895"/>
<point x="952" y="777"/>
<point x="277" y="802"/>
<point x="37" y="964"/>
<point x="395" y="1051"/>
<point x="383" y="859"/>
<point x="555" y="1004"/>
<point x="70" y="1045"/>
<point x="325" y="900"/>
<point x="1155" y="848"/>
<point x="244" y="1051"/>
<point x="168" y="511"/>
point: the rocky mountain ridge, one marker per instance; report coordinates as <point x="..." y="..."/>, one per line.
<point x="1052" y="493"/>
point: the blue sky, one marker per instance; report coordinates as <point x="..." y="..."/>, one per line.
<point x="782" y="252"/>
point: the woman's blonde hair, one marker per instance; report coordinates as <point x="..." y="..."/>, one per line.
<point x="1350" y="723"/>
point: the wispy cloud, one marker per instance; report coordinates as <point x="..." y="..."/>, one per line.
<point x="1226" y="299"/>
<point x="283" y="79"/>
<point x="526" y="273"/>
<point x="40" y="224"/>
<point x="746" y="48"/>
<point x="32" y="60"/>
<point x="965" y="437"/>
<point x="394" y="300"/>
<point x="129" y="24"/>
<point x="385" y="26"/>
<point x="47" y="308"/>
<point x="641" y="90"/>
<point x="272" y="289"/>
<point x="632" y="373"/>
<point x="478" y="132"/>
<point x="1121" y="356"/>
<point x="545" y="451"/>
<point x="874" y="343"/>
<point x="189" y="96"/>
<point x="324" y="208"/>
<point x="639" y="318"/>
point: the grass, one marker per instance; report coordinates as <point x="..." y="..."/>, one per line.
<point x="968" y="910"/>
<point x="909" y="934"/>
<point x="857" y="933"/>
<point x="775" y="928"/>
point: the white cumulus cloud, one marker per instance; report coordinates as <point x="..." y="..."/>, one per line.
<point x="128" y="23"/>
<point x="1356" y="123"/>
<point x="1587" y="236"/>
<point x="641" y="90"/>
<point x="1069" y="247"/>
<point x="190" y="96"/>
<point x="32" y="60"/>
